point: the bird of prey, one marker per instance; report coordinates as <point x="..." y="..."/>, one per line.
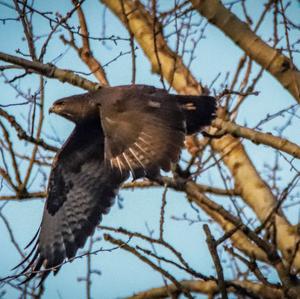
<point x="135" y="129"/>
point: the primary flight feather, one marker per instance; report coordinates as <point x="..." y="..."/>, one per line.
<point x="135" y="129"/>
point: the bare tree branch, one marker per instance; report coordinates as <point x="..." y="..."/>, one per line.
<point x="50" y="71"/>
<point x="270" y="59"/>
<point x="258" y="137"/>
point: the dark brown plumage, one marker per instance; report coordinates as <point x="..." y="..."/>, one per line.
<point x="134" y="129"/>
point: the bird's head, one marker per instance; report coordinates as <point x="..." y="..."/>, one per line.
<point x="75" y="108"/>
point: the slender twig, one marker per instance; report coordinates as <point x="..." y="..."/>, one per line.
<point x="214" y="254"/>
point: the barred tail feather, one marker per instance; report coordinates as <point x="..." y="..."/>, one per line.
<point x="199" y="111"/>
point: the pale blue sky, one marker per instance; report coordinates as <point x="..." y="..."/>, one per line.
<point x="122" y="274"/>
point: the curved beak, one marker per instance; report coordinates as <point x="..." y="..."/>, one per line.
<point x="51" y="110"/>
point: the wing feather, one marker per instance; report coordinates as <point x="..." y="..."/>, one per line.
<point x="144" y="130"/>
<point x="81" y="189"/>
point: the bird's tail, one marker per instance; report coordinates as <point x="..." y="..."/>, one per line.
<point x="199" y="111"/>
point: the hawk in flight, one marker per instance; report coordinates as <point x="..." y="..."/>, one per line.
<point x="135" y="129"/>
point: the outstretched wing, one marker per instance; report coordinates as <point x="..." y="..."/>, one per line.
<point x="144" y="130"/>
<point x="81" y="188"/>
